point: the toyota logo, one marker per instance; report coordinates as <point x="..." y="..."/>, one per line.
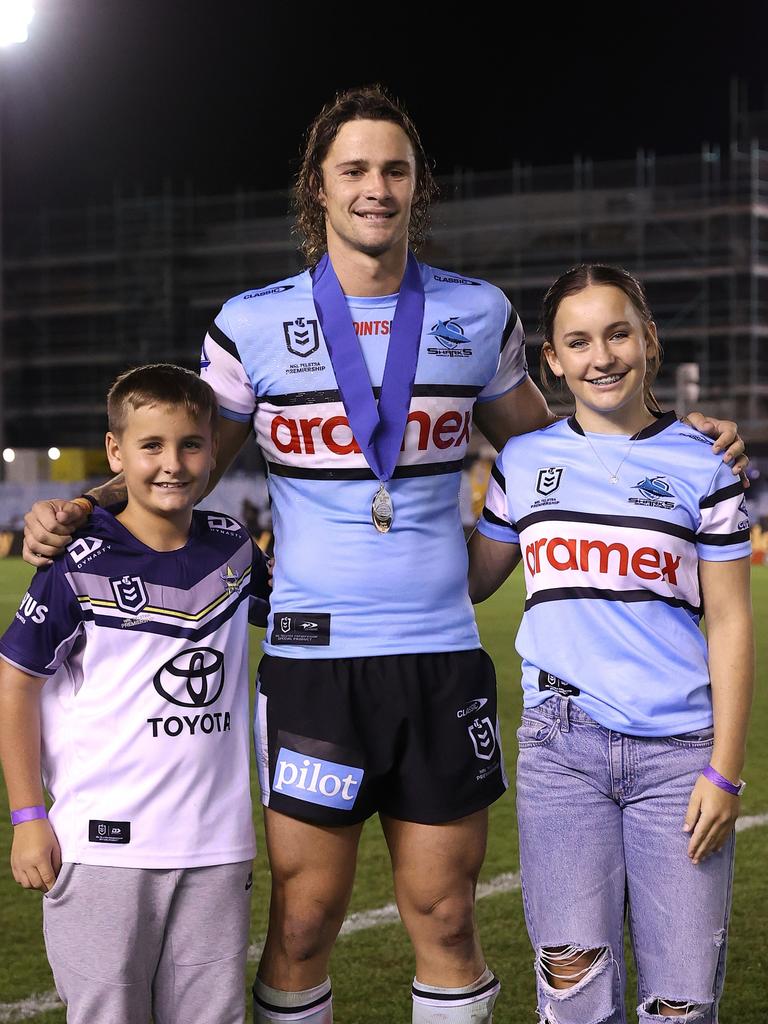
<point x="193" y="678"/>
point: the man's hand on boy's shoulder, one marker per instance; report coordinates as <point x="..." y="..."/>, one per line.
<point x="35" y="855"/>
<point x="48" y="527"/>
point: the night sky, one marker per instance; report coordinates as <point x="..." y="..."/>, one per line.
<point x="217" y="94"/>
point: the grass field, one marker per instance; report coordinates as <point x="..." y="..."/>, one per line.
<point x="372" y="968"/>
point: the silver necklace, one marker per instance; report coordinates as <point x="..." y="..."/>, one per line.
<point x="613" y="475"/>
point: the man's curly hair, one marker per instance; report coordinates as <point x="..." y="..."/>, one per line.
<point x="371" y="103"/>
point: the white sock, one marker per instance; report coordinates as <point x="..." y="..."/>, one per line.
<point x="472" y="1004"/>
<point x="312" y="1006"/>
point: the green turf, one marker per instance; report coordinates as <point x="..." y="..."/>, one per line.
<point x="372" y="969"/>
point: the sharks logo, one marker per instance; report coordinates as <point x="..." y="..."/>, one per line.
<point x="449" y="333"/>
<point x="655" y="491"/>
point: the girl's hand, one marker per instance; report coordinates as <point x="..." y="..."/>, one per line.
<point x="710" y="817"/>
<point x="35" y="855"/>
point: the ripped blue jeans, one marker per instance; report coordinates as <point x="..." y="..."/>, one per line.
<point x="601" y="829"/>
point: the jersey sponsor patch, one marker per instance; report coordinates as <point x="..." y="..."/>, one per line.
<point x="83" y="547"/>
<point x="224" y="524"/>
<point x="115" y="833"/>
<point x="316" y="780"/>
<point x="31" y="610"/>
<point x="191" y="679"/>
<point x="312" y="629"/>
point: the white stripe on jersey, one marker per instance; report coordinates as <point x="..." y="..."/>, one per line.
<point x="565" y="554"/>
<point x="512" y="369"/>
<point x="318" y="435"/>
<point x="227" y="377"/>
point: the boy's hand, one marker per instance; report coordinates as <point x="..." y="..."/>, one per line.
<point x="35" y="855"/>
<point x="711" y="815"/>
<point x="726" y="435"/>
<point x="48" y="527"/>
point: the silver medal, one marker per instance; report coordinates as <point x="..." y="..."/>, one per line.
<point x="382" y="510"/>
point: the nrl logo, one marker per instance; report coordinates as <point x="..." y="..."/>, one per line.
<point x="301" y="336"/>
<point x="130" y="594"/>
<point x="548" y="480"/>
<point x="483" y="738"/>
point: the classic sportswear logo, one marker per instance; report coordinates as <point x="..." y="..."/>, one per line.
<point x="317" y="781"/>
<point x="269" y="291"/>
<point x="569" y="553"/>
<point x="310" y="629"/>
<point x="301" y="436"/>
<point x="472" y="708"/>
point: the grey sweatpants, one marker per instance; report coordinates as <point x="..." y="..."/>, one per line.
<point x="127" y="944"/>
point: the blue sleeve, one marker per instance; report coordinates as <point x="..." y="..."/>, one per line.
<point x="46" y="625"/>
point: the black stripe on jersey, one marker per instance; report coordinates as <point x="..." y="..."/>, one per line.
<point x="628" y="522"/>
<point x="722" y="495"/>
<point x="306" y="473"/>
<point x="419" y="391"/>
<point x="512" y="323"/>
<point x="221" y="339"/>
<point x="721" y="539"/>
<point x="455" y="996"/>
<point x="491" y="517"/>
<point x="498" y="476"/>
<point x="598" y="594"/>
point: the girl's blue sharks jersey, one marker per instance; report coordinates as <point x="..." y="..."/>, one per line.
<point x="341" y="589"/>
<point x="613" y="603"/>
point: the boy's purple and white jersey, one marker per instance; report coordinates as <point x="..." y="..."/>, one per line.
<point x="145" y="721"/>
<point x="611" y="570"/>
<point x="341" y="589"/>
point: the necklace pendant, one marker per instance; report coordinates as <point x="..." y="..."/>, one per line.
<point x="614" y="478"/>
<point x="382" y="510"/>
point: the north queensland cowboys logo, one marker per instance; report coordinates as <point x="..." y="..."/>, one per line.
<point x="548" y="480"/>
<point x="301" y="336"/>
<point x="130" y="594"/>
<point x="483" y="738"/>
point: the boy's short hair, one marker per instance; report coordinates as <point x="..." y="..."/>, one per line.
<point x="160" y="384"/>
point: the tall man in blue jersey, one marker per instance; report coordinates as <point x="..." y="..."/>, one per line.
<point x="374" y="694"/>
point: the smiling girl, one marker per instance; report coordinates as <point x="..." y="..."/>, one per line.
<point x="633" y="731"/>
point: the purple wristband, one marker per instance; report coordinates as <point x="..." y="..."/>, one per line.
<point x="721" y="782"/>
<point x="28" y="814"/>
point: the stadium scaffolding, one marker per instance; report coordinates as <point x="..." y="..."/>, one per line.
<point x="90" y="291"/>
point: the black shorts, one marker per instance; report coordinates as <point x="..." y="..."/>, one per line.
<point x="413" y="736"/>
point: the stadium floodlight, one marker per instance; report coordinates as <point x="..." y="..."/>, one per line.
<point x="15" y="18"/>
<point x="8" y="454"/>
<point x="54" y="454"/>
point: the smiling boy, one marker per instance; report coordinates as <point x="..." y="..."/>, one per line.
<point x="124" y="689"/>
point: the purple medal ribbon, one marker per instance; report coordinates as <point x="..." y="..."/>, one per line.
<point x="378" y="429"/>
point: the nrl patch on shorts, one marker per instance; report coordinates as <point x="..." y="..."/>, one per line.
<point x="115" y="832"/>
<point x="312" y="629"/>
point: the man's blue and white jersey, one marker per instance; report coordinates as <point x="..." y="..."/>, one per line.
<point x="341" y="589"/>
<point x="145" y="721"/>
<point x="611" y="570"/>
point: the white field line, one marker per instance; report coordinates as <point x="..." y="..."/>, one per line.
<point x="25" y="1009"/>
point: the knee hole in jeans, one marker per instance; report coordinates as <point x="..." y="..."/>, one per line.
<point x="563" y="967"/>
<point x="679" y="1009"/>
